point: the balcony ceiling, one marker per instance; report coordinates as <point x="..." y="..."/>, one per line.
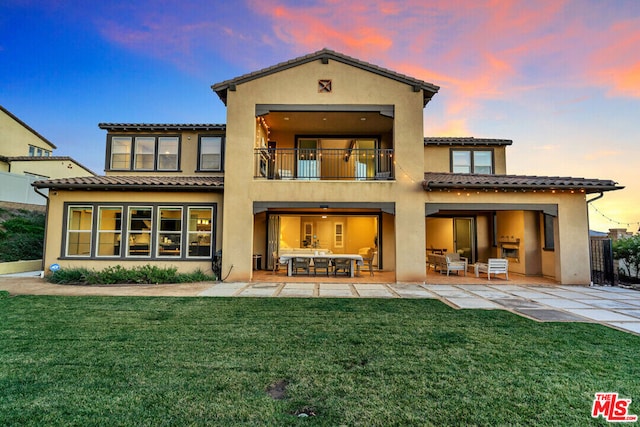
<point x="329" y="123"/>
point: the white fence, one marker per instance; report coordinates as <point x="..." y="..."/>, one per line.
<point x="17" y="188"/>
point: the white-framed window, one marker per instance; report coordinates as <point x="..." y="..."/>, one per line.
<point x="79" y="231"/>
<point x="210" y="153"/>
<point x="109" y="242"/>
<point x="139" y="231"/>
<point x="200" y="232"/>
<point x="121" y="152"/>
<point x="168" y="153"/>
<point x="169" y="232"/>
<point x="307" y="234"/>
<point x="338" y="236"/>
<point x="145" y="153"/>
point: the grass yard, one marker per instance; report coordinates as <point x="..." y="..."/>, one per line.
<point x="366" y="362"/>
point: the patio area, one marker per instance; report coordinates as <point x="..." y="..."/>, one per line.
<point x="433" y="278"/>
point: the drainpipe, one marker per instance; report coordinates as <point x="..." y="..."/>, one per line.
<point x="600" y="196"/>
<point x="46" y="222"/>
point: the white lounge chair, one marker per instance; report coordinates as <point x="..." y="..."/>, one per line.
<point x="493" y="265"/>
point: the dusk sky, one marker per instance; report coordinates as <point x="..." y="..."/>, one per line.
<point x="560" y="78"/>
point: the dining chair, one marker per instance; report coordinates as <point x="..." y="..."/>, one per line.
<point x="300" y="264"/>
<point x="368" y="260"/>
<point x="277" y="264"/>
<point x="320" y="263"/>
<point x="342" y="265"/>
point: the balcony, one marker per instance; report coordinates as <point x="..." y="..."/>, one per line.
<point x="351" y="164"/>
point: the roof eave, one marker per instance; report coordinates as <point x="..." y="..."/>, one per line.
<point x="149" y="127"/>
<point x="428" y="186"/>
<point x="115" y="187"/>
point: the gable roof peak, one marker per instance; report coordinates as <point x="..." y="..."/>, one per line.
<point x="325" y="54"/>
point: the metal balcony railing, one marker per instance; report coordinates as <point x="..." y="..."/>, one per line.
<point x="324" y="164"/>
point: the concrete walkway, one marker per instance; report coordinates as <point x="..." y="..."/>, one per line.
<point x="618" y="308"/>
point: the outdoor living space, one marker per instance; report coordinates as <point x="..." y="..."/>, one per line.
<point x="523" y="238"/>
<point x="321" y="236"/>
<point x="381" y="276"/>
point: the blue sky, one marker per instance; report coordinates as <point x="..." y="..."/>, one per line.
<point x="561" y="77"/>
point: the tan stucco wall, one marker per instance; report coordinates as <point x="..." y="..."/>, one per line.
<point x="351" y="86"/>
<point x="437" y="158"/>
<point x="570" y="259"/>
<point x="15" y="138"/>
<point x="53" y="249"/>
<point x="52" y="169"/>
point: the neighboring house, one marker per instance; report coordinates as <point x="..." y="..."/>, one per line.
<point x="27" y="156"/>
<point x="322" y="151"/>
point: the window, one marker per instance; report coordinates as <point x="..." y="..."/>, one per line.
<point x="549" y="243"/>
<point x="338" y="240"/>
<point x="149" y="153"/>
<point x="120" y="152"/>
<point x="167" y="153"/>
<point x="199" y="235"/>
<point x="139" y="235"/>
<point x="170" y="231"/>
<point x="38" y="152"/>
<point x="127" y="231"/>
<point x="145" y="153"/>
<point x="472" y="161"/>
<point x="210" y="153"/>
<point x="109" y="231"/>
<point x="461" y="161"/>
<point x="79" y="227"/>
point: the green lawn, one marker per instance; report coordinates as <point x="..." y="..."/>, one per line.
<point x="194" y="361"/>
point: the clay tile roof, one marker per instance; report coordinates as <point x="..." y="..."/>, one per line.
<point x="124" y="127"/>
<point x="326" y="54"/>
<point x="434" y="180"/>
<point x="445" y="140"/>
<point x="146" y="183"/>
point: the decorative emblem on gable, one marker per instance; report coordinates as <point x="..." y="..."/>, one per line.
<point x="324" y="86"/>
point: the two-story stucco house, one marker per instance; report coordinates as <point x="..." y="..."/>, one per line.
<point x="26" y="156"/>
<point x="25" y="151"/>
<point x="322" y="151"/>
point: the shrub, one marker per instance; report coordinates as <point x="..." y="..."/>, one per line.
<point x="21" y="246"/>
<point x="628" y="250"/>
<point x="145" y="274"/>
<point x="22" y="235"/>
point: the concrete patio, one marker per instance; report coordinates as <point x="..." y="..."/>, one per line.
<point x="614" y="307"/>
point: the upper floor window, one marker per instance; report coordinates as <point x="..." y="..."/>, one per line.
<point x="210" y="153"/>
<point x="472" y="161"/>
<point x="147" y="152"/>
<point x="38" y="152"/>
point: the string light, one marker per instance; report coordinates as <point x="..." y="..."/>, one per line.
<point x="628" y="224"/>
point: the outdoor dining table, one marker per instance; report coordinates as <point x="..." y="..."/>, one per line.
<point x="287" y="259"/>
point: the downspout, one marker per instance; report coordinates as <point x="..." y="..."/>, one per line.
<point x="590" y="258"/>
<point x="46" y="226"/>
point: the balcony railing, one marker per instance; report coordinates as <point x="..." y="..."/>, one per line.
<point x="330" y="164"/>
